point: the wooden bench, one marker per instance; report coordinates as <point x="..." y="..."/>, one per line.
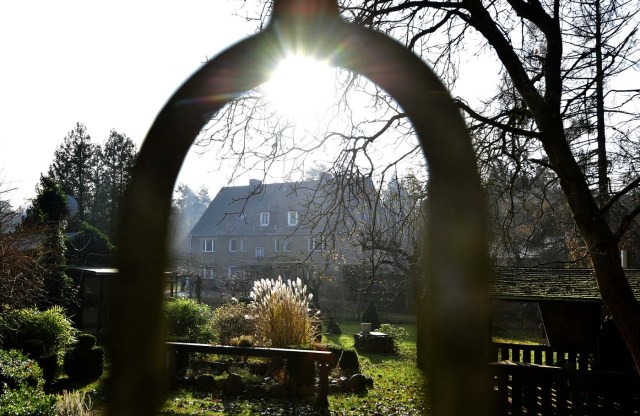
<point x="323" y="359"/>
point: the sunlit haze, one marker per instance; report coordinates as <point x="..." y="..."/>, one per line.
<point x="301" y="89"/>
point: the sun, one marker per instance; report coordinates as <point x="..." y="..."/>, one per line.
<point x="301" y="89"/>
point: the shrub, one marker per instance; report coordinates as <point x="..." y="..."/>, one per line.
<point x="188" y="320"/>
<point x="371" y="315"/>
<point x="281" y="313"/>
<point x="344" y="358"/>
<point x="232" y="320"/>
<point x="27" y="401"/>
<point x="397" y="333"/>
<point x="21" y="386"/>
<point x="74" y="403"/>
<point x="17" y="370"/>
<point x="85" y="362"/>
<point x="28" y="327"/>
<point x="242" y="341"/>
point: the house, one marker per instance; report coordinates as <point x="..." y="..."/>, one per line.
<point x="276" y="229"/>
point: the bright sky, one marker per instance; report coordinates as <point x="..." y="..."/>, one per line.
<point x="109" y="65"/>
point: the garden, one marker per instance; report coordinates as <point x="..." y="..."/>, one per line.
<point x="49" y="368"/>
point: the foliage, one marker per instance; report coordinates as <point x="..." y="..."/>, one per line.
<point x="117" y="158"/>
<point x="232" y="320"/>
<point x="22" y="268"/>
<point x="242" y="341"/>
<point x="188" y="320"/>
<point x="84" y="364"/>
<point x="370" y="315"/>
<point x="49" y="211"/>
<point x="95" y="176"/>
<point x="21" y="386"/>
<point x="74" y="403"/>
<point x="398" y="333"/>
<point x="90" y="247"/>
<point x="27" y="401"/>
<point x="281" y="313"/>
<point x="85" y="361"/>
<point x="74" y="166"/>
<point x="51" y="327"/>
<point x="187" y="208"/>
<point x="85" y="341"/>
<point x="388" y="372"/>
<point x="16" y="370"/>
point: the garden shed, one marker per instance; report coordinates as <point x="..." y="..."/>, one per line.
<point x="569" y="302"/>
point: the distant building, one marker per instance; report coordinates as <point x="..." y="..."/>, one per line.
<point x="273" y="229"/>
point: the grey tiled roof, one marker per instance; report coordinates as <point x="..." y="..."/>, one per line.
<point x="551" y="284"/>
<point x="236" y="210"/>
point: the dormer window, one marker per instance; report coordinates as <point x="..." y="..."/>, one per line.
<point x="292" y="218"/>
<point x="264" y="218"/>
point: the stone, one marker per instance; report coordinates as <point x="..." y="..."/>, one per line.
<point x="374" y="342"/>
<point x="332" y="326"/>
<point x="205" y="383"/>
<point x="357" y="383"/>
<point x="218" y="367"/>
<point x="234" y="385"/>
<point x="369" y="382"/>
<point x="256" y="392"/>
<point x="278" y="391"/>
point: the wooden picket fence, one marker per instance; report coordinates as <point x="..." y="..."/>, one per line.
<point x="542" y="354"/>
<point x="525" y="382"/>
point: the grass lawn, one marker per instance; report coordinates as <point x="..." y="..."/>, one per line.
<point x="397" y="389"/>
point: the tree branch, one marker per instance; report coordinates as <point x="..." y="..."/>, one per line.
<point x="494" y="123"/>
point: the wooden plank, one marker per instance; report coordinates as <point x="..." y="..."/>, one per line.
<point x="538" y="356"/>
<point x="323" y="356"/>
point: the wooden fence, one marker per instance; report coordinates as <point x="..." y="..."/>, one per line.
<point x="542" y="354"/>
<point x="539" y="380"/>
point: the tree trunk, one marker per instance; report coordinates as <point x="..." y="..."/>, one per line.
<point x="599" y="240"/>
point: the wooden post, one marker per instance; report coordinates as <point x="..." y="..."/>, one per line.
<point x="322" y="402"/>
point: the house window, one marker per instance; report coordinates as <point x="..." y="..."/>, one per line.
<point x="233" y="245"/>
<point x="243" y="245"/>
<point x="318" y="244"/>
<point x="276" y="245"/>
<point x="208" y="273"/>
<point x="208" y="245"/>
<point x="264" y="219"/>
<point x="288" y="244"/>
<point x="292" y="218"/>
<point x="259" y="252"/>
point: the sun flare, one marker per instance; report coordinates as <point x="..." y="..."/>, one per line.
<point x="301" y="88"/>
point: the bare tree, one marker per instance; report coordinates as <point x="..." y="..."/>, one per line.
<point x="558" y="107"/>
<point x="22" y="265"/>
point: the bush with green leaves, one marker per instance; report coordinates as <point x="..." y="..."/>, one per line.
<point x="397" y="333"/>
<point x="370" y="315"/>
<point x="188" y="320"/>
<point x="21" y="387"/>
<point x="281" y="313"/>
<point x="51" y="331"/>
<point x="232" y="320"/>
<point x="85" y="361"/>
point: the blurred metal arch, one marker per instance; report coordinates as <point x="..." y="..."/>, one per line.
<point x="457" y="307"/>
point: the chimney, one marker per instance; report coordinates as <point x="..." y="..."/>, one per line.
<point x="254" y="183"/>
<point x="624" y="259"/>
